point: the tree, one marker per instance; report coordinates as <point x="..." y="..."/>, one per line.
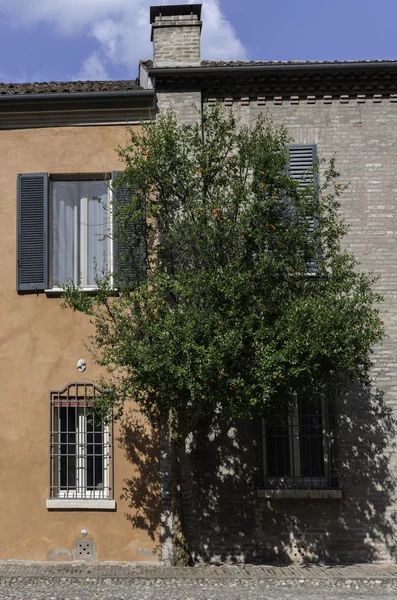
<point x="234" y="292"/>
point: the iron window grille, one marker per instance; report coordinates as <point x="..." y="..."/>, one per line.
<point x="80" y="447"/>
<point x="298" y="448"/>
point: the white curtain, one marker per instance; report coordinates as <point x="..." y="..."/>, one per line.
<point x="97" y="247"/>
<point x="80" y="222"/>
<point x="64" y="203"/>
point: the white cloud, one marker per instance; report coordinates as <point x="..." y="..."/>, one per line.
<point x="92" y="68"/>
<point x="219" y="40"/>
<point x="120" y="29"/>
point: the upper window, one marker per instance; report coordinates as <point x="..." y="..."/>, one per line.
<point x="65" y="232"/>
<point x="80" y="447"/>
<point x="298" y="447"/>
<point x="302" y="162"/>
<point x="80" y="232"/>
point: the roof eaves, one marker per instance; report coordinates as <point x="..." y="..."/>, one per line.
<point x="258" y="67"/>
<point x="76" y="96"/>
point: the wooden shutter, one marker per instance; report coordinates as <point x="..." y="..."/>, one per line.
<point x="129" y="257"/>
<point x="302" y="159"/>
<point x="301" y="162"/>
<point x="32" y="232"/>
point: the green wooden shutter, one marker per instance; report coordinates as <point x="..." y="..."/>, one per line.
<point x="128" y="255"/>
<point x="32" y="232"/>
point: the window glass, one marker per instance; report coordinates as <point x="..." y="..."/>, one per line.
<point x="297" y="447"/>
<point x="311" y="438"/>
<point x="79" y="226"/>
<point x="277" y="450"/>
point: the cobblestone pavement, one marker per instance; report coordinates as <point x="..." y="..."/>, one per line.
<point x="129" y="581"/>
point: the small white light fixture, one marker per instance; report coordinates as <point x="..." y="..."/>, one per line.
<point x="84" y="532"/>
<point x="81" y="365"/>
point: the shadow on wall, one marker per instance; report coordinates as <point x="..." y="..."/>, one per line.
<point x="142" y="490"/>
<point x="227" y="522"/>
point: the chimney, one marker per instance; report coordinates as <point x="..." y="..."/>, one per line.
<point x="176" y="32"/>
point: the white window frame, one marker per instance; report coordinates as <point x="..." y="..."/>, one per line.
<point x="80" y="251"/>
<point x="70" y="397"/>
<point x="81" y="462"/>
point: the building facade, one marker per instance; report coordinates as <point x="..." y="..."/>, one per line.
<point x="66" y="481"/>
<point x="323" y="487"/>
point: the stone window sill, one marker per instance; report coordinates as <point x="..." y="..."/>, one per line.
<point x="80" y="504"/>
<point x="296" y="494"/>
<point x="58" y="291"/>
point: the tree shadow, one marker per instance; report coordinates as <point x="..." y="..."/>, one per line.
<point x="142" y="490"/>
<point x="227" y="521"/>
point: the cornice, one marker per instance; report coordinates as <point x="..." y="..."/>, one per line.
<point x="293" y="82"/>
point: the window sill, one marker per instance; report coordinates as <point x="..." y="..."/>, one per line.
<point x="80" y="504"/>
<point x="57" y="291"/>
<point x="296" y="494"/>
<point x="86" y="290"/>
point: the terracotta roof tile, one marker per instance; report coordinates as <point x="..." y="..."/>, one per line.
<point x="59" y="87"/>
<point x="258" y="63"/>
<point x="253" y="63"/>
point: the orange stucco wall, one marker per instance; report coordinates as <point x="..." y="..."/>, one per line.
<point x="40" y="346"/>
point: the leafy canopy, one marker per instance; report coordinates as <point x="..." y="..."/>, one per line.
<point x="237" y="299"/>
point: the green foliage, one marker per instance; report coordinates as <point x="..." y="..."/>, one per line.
<point x="241" y="302"/>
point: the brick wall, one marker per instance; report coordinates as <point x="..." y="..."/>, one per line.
<point x="185" y="102"/>
<point x="176" y="41"/>
<point x="225" y="519"/>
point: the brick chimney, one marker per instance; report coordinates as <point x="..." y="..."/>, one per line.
<point x="176" y="32"/>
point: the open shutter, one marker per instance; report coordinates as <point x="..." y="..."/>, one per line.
<point x="129" y="257"/>
<point x="32" y="232"/>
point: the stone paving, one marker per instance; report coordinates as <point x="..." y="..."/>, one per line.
<point x="136" y="581"/>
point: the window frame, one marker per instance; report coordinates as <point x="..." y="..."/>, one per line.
<point x="33" y="237"/>
<point x="80" y="259"/>
<point x="78" y="396"/>
<point x="297" y="481"/>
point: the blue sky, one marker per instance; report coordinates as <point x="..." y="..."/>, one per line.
<point x="97" y="39"/>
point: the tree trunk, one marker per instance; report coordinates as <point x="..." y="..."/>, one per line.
<point x="180" y="551"/>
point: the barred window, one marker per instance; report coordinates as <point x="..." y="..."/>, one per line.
<point x="80" y="446"/>
<point x="298" y="447"/>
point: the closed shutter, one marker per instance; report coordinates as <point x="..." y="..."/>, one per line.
<point x="301" y="162"/>
<point x="128" y="253"/>
<point x="32" y="232"/>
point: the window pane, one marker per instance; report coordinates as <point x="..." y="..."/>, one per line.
<point x="95" y="465"/>
<point x="311" y="438"/>
<point x="277" y="451"/>
<point x="65" y="239"/>
<point x="96" y="254"/>
<point x="68" y="447"/>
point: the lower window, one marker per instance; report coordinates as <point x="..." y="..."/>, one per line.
<point x="80" y="447"/>
<point x="298" y="449"/>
